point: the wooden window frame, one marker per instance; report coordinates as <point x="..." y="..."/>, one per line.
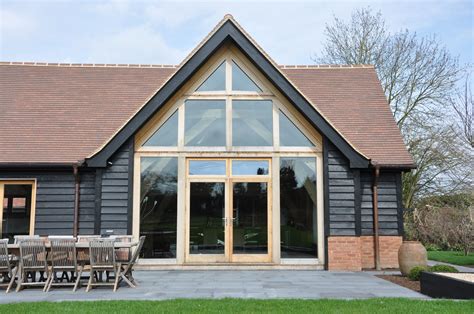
<point x="31" y="182"/>
<point x="230" y="53"/>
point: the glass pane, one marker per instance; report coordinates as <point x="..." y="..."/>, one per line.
<point x="158" y="206"/>
<point x="298" y="207"/>
<point x="290" y="135"/>
<point x="167" y="134"/>
<point x="204" y="123"/>
<point x="206" y="224"/>
<point x="16" y="210"/>
<point x="250" y="230"/>
<point x="207" y="167"/>
<point x="215" y="81"/>
<point x="250" y="167"/>
<point x="252" y="123"/>
<point x="241" y="81"/>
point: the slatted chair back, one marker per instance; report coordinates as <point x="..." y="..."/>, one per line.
<point x="4" y="258"/>
<point x="83" y="256"/>
<point x="63" y="253"/>
<point x="136" y="253"/>
<point x="102" y="252"/>
<point x="19" y="238"/>
<point x="123" y="254"/>
<point x="33" y="254"/>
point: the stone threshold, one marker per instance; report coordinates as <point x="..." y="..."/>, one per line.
<point x="226" y="266"/>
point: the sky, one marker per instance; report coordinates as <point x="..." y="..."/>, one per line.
<point x="164" y="32"/>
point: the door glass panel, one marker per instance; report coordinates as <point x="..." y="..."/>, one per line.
<point x="204" y="123"/>
<point x="207" y="213"/>
<point x="158" y="206"/>
<point x="250" y="215"/>
<point x="250" y="167"/>
<point x="215" y="81"/>
<point x="298" y="215"/>
<point x="241" y="81"/>
<point x="167" y="134"/>
<point x="252" y="123"/>
<point x="207" y="167"/>
<point x="290" y="135"/>
<point x="16" y="210"/>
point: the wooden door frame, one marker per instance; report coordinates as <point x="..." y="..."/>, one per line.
<point x="228" y="179"/>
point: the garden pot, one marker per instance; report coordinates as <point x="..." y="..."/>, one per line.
<point x="411" y="254"/>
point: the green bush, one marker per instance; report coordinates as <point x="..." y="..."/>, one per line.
<point x="432" y="247"/>
<point x="415" y="272"/>
<point x="439" y="268"/>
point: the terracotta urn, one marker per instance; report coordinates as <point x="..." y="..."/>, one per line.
<point x="411" y="254"/>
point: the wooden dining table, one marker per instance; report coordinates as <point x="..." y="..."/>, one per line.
<point x="14" y="248"/>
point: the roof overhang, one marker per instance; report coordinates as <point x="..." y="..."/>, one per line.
<point x="228" y="32"/>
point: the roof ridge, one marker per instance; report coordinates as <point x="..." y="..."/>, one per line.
<point x="88" y="65"/>
<point x="327" y="66"/>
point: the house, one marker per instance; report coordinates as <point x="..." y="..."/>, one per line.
<point x="227" y="158"/>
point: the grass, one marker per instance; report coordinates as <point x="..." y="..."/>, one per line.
<point x="404" y="306"/>
<point x="452" y="257"/>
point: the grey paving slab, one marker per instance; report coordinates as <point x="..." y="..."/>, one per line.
<point x="257" y="284"/>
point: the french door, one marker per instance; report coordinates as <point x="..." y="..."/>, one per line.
<point x="228" y="211"/>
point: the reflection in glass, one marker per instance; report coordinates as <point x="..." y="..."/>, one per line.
<point x="167" y="134"/>
<point x="250" y="167"/>
<point x="250" y="229"/>
<point x="290" y="135"/>
<point x="241" y="81"/>
<point x="206" y="224"/>
<point x="215" y="81"/>
<point x="158" y="206"/>
<point x="204" y="123"/>
<point x="252" y="123"/>
<point x="298" y="207"/>
<point x="16" y="210"/>
<point x="207" y="167"/>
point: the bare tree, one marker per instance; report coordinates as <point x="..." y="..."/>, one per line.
<point x="418" y="75"/>
<point x="463" y="105"/>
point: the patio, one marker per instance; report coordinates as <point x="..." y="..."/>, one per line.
<point x="260" y="284"/>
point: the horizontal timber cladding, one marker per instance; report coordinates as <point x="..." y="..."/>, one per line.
<point x="55" y="200"/>
<point x="115" y="200"/>
<point x="389" y="201"/>
<point x="341" y="189"/>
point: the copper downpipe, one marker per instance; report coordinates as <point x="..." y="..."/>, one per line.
<point x="376" y="216"/>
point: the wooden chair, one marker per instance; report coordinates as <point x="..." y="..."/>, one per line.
<point x="102" y="258"/>
<point x="64" y="259"/>
<point x="8" y="266"/>
<point x="123" y="254"/>
<point x="127" y="267"/>
<point x="33" y="258"/>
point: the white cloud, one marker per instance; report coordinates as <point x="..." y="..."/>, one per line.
<point x="140" y="44"/>
<point x="14" y="23"/>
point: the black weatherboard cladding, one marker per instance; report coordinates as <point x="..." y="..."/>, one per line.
<point x="116" y="186"/>
<point x="55" y="200"/>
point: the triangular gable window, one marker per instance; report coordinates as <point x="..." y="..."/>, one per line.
<point x="167" y="134"/>
<point x="290" y="135"/>
<point x="241" y="81"/>
<point x="215" y="81"/>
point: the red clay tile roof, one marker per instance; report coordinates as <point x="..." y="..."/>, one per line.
<point x="64" y="113"/>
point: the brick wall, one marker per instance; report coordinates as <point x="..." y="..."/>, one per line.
<point x="357" y="253"/>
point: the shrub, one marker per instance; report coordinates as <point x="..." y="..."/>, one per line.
<point x="439" y="268"/>
<point x="432" y="247"/>
<point x="415" y="272"/>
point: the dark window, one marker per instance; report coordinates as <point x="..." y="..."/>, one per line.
<point x="158" y="206"/>
<point x="298" y="207"/>
<point x="16" y="210"/>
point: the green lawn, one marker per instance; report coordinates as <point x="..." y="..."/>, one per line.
<point x="452" y="257"/>
<point x="404" y="306"/>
